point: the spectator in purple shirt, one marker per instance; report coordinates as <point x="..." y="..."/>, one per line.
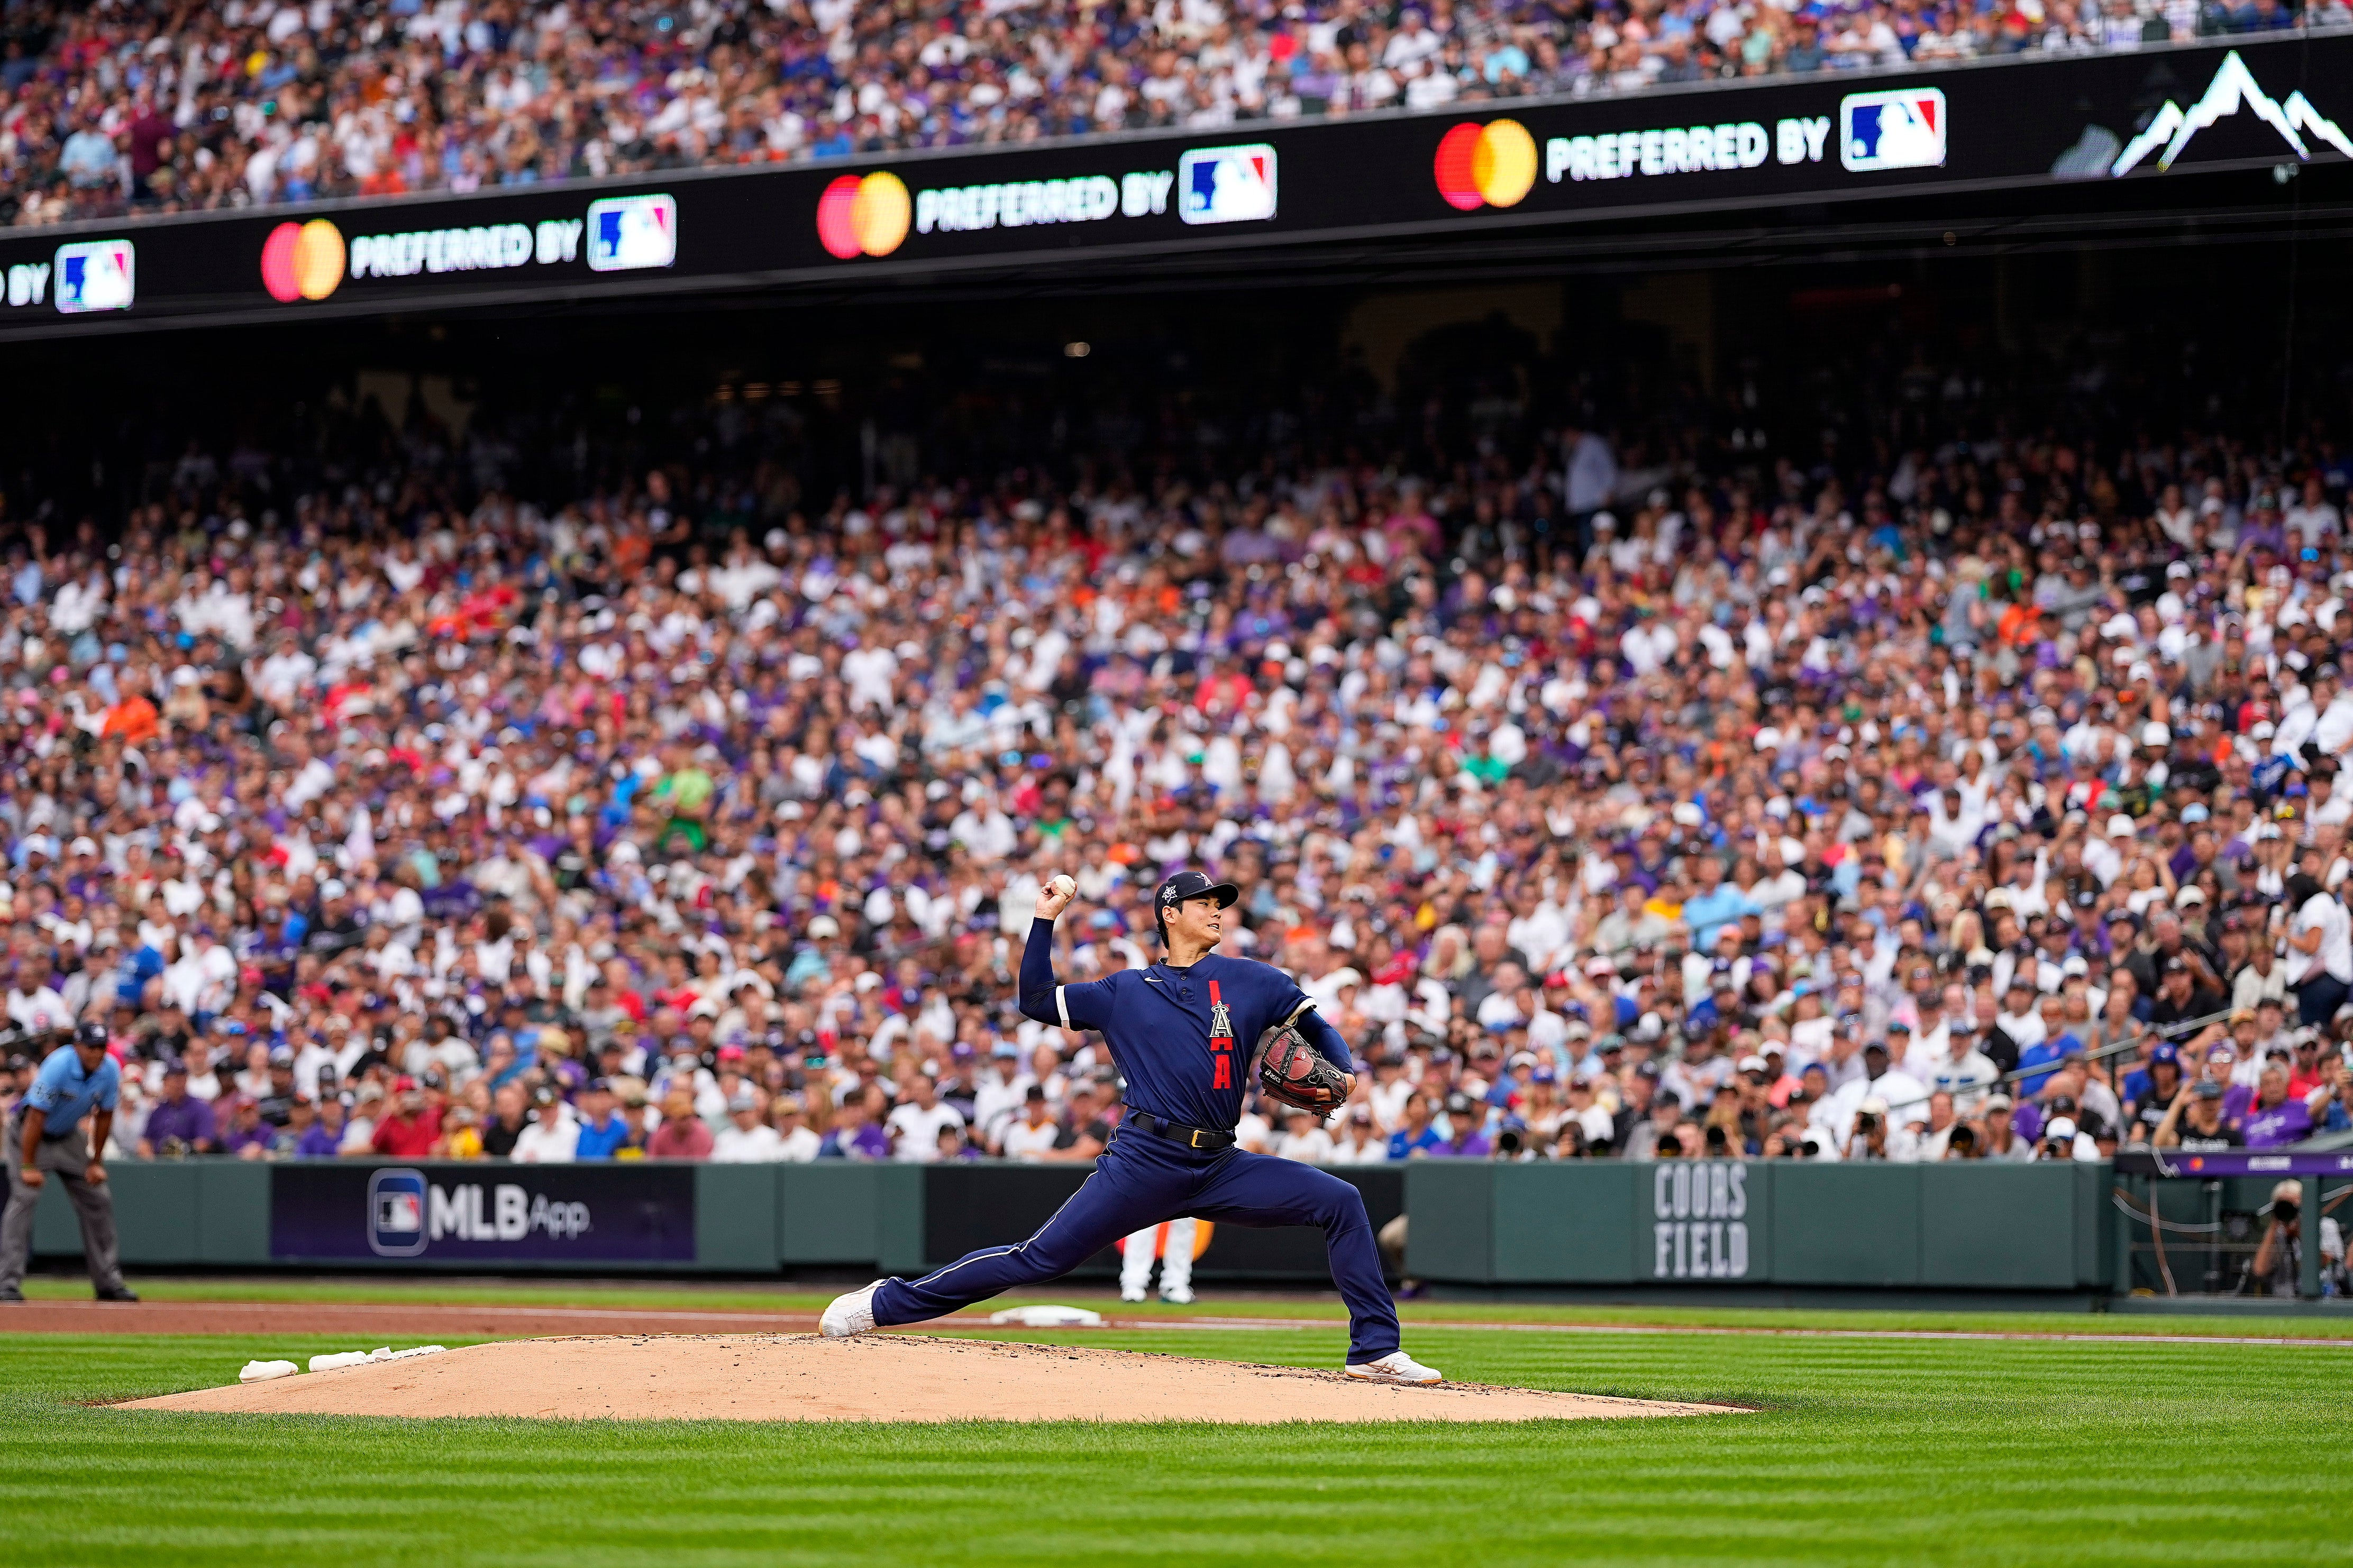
<point x="325" y="1137"/>
<point x="179" y="1124"/>
<point x="1464" y="1141"/>
<point x="2277" y="1117"/>
<point x="247" y="1136"/>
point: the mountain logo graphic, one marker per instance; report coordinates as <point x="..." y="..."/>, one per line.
<point x="2234" y="87"/>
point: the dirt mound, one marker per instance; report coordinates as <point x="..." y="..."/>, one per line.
<point x="888" y="1377"/>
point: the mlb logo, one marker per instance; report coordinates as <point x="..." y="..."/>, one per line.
<point x="95" y="274"/>
<point x="396" y="1213"/>
<point x="1226" y="184"/>
<point x="626" y="233"/>
<point x="1903" y="128"/>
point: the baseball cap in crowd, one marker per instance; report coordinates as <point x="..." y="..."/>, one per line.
<point x="742" y="1099"/>
<point x="2062" y="1130"/>
<point x="2207" y="1089"/>
<point x="1998" y="1102"/>
<point x="2166" y="1051"/>
<point x="824" y="926"/>
<point x="1754" y="1064"/>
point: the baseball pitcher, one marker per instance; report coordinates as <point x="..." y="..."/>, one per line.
<point x="1181" y="1032"/>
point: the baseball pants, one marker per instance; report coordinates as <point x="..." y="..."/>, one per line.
<point x="65" y="1159"/>
<point x="1141" y="1180"/>
<point x="1176" y="1259"/>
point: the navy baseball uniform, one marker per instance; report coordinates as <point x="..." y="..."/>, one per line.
<point x="1183" y="1039"/>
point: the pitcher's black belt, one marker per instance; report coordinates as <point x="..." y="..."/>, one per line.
<point x="1177" y="1131"/>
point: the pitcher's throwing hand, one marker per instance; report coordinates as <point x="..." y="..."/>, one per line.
<point x="1056" y="896"/>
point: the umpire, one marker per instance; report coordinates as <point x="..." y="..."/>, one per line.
<point x="44" y="1136"/>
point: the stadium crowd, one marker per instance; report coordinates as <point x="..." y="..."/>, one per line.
<point x="1973" y="800"/>
<point x="141" y="105"/>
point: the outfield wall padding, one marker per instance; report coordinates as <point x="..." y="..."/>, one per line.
<point x="1578" y="1223"/>
<point x="1749" y="1222"/>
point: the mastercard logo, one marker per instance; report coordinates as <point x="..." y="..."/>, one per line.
<point x="302" y="260"/>
<point x="1492" y="165"/>
<point x="863" y="217"/>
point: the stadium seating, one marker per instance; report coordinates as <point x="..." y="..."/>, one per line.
<point x="1946" y="802"/>
<point x="155" y="108"/>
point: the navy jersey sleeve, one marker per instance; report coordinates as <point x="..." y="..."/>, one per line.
<point x="1292" y="1006"/>
<point x="1082" y="1007"/>
<point x="1325" y="1040"/>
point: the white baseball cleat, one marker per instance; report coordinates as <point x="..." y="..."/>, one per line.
<point x="1132" y="1296"/>
<point x="1179" y="1296"/>
<point x="1395" y="1367"/>
<point x="851" y="1314"/>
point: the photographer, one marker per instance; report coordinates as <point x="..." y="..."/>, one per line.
<point x="2061" y="1140"/>
<point x="2279" y="1260"/>
<point x="1869" y="1141"/>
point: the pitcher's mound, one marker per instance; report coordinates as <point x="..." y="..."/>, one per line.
<point x="800" y="1377"/>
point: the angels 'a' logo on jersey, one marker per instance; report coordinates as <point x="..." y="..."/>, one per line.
<point x="1221" y="1041"/>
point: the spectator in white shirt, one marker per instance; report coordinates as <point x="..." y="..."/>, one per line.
<point x="1302" y="1139"/>
<point x="747" y="1139"/>
<point x="551" y="1139"/>
<point x="1359" y="1141"/>
<point x="914" y="1126"/>
<point x="2312" y="520"/>
<point x="1031" y="1136"/>
<point x="1963" y="1071"/>
<point x="796" y="1143"/>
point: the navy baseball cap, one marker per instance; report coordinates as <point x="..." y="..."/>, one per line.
<point x="1186" y="885"/>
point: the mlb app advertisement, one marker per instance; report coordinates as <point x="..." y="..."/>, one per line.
<point x="2147" y="116"/>
<point x="482" y="1214"/>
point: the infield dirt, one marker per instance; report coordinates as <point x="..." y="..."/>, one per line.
<point x="888" y="1377"/>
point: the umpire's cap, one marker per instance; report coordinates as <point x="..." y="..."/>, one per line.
<point x="91" y="1033"/>
<point x="1186" y="885"/>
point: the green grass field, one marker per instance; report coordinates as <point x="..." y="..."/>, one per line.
<point x="1863" y="1451"/>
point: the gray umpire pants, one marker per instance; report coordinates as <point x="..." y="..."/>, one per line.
<point x="66" y="1160"/>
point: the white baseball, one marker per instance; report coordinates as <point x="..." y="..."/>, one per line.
<point x="1064" y="884"/>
